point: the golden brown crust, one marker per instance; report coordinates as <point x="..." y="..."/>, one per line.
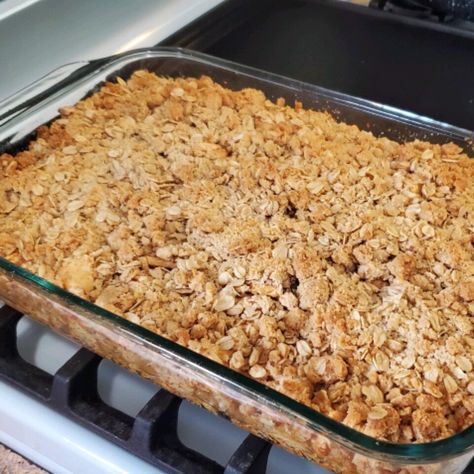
<point x="329" y="264"/>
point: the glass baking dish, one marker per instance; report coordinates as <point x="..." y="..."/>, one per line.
<point x="247" y="403"/>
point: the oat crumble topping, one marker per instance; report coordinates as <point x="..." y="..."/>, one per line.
<point x="331" y="265"/>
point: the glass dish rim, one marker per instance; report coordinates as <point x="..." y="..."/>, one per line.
<point x="412" y="453"/>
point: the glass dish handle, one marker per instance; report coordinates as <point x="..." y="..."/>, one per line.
<point x="35" y="92"/>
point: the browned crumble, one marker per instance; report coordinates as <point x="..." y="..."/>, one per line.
<point x="333" y="266"/>
<point x="13" y="463"/>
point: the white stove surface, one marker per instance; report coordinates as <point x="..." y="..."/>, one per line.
<point x="9" y="7"/>
<point x="61" y="446"/>
<point x="37" y="36"/>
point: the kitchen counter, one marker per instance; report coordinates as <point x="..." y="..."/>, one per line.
<point x="13" y="463"/>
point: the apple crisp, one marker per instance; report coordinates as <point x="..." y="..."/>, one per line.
<point x="331" y="265"/>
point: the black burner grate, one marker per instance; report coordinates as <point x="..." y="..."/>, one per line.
<point x="151" y="435"/>
<point x="436" y="10"/>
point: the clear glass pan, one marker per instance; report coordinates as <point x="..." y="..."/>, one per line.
<point x="246" y="402"/>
